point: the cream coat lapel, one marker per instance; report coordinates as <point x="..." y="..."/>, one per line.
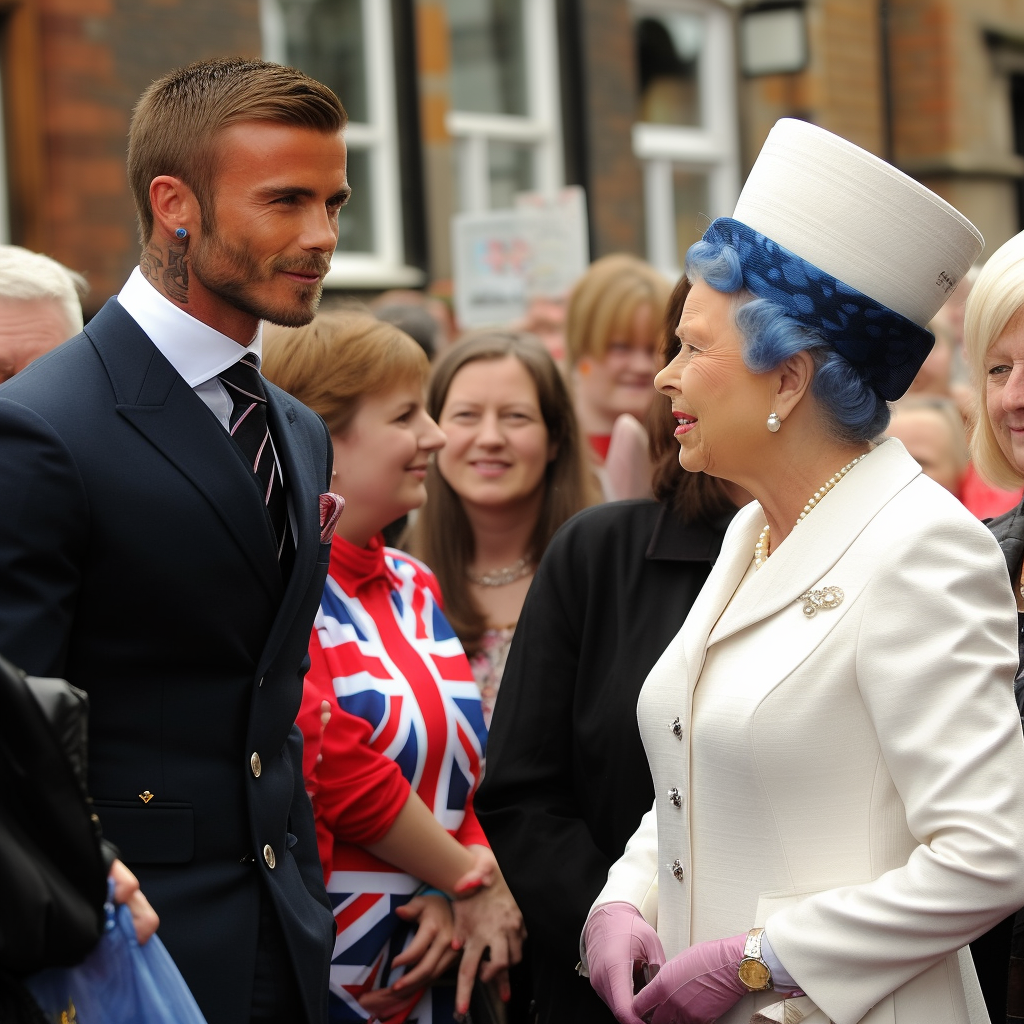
<point x="818" y="543"/>
<point x="721" y="584"/>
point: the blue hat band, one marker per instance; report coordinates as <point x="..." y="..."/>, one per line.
<point x="883" y="345"/>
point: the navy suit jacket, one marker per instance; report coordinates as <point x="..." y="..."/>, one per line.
<point x="138" y="561"/>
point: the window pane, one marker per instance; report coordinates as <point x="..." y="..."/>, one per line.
<point x="355" y="223"/>
<point x="488" y="56"/>
<point x="668" y="48"/>
<point x="690" y="196"/>
<point x="324" y="38"/>
<point x="510" y="170"/>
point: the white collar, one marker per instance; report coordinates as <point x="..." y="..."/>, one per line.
<point x="194" y="349"/>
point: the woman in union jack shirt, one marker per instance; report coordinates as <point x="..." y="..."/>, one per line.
<point x="394" y="734"/>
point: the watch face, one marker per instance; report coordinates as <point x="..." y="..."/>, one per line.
<point x="755" y="975"/>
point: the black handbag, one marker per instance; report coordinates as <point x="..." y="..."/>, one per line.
<point x="53" y="861"/>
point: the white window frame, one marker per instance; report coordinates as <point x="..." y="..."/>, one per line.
<point x="384" y="267"/>
<point x="711" y="150"/>
<point x="541" y="128"/>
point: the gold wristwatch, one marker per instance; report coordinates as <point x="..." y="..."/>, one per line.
<point x="753" y="972"/>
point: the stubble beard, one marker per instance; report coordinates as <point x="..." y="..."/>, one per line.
<point x="236" y="276"/>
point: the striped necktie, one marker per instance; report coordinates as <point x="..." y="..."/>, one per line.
<point x="251" y="431"/>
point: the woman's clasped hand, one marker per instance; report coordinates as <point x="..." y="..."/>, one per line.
<point x="489" y="931"/>
<point x="615" y="937"/>
<point x="695" y="987"/>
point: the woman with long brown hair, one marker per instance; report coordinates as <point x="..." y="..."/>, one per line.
<point x="510" y="474"/>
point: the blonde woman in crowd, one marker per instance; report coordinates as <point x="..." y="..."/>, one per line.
<point x="994" y="345"/>
<point x="932" y="430"/>
<point x="612" y="341"/>
<point x="394" y="738"/>
<point x="511" y="473"/>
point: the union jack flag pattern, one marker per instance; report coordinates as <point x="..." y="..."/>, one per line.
<point x="401" y="680"/>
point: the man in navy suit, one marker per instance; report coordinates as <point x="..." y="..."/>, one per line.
<point x="161" y="544"/>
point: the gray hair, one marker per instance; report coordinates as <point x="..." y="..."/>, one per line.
<point x="31" y="275"/>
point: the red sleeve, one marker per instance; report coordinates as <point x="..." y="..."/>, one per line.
<point x="357" y="793"/>
<point x="470" y="832"/>
<point x="315" y="689"/>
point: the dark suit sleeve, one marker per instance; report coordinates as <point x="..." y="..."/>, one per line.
<point x="301" y="821"/>
<point x="44" y="518"/>
<point x="528" y="802"/>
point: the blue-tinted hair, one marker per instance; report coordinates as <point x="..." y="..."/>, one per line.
<point x="854" y="411"/>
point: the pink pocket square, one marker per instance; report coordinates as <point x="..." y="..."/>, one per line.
<point x="331" y="507"/>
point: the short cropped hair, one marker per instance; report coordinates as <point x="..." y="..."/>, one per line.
<point x="853" y="412"/>
<point x="340" y="358"/>
<point x="996" y="298"/>
<point x="605" y="299"/>
<point x="31" y="275"/>
<point x="177" y="119"/>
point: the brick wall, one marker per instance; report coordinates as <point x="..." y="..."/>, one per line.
<point x="97" y="56"/>
<point x="923" y="84"/>
<point x="840" y="88"/>
<point x="610" y="98"/>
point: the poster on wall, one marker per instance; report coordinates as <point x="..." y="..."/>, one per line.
<point x="504" y="259"/>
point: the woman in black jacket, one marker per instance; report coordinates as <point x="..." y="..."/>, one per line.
<point x="567" y="780"/>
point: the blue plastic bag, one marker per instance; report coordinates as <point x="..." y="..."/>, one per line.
<point x="119" y="982"/>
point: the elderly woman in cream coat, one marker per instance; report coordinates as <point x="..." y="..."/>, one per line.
<point x="837" y="758"/>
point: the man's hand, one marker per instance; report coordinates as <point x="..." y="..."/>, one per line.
<point x="487" y="920"/>
<point x="126" y="890"/>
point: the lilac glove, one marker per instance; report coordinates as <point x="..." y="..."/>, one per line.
<point x="695" y="987"/>
<point x="615" y="935"/>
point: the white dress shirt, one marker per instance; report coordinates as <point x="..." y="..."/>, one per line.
<point x="197" y="351"/>
<point x="194" y="349"/>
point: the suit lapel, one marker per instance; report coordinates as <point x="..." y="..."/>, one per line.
<point x="815" y="546"/>
<point x="302" y="475"/>
<point x="153" y="397"/>
<point x="721" y="584"/>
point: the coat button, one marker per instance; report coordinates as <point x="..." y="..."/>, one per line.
<point x="254" y="763"/>
<point x="676" y="867"/>
<point x="268" y="856"/>
<point x="677" y="729"/>
<point x="673" y="795"/>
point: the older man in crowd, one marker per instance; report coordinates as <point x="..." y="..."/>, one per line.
<point x="39" y="306"/>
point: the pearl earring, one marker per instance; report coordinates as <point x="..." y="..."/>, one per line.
<point x="774" y="422"/>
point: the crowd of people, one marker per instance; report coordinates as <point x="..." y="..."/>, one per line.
<point x="658" y="669"/>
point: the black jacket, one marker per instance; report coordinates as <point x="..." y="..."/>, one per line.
<point x="137" y="560"/>
<point x="1008" y="530"/>
<point x="567" y="780"/>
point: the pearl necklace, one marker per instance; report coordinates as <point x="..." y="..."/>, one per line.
<point x="761" y="547"/>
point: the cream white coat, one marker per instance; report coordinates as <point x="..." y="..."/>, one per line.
<point x="852" y="780"/>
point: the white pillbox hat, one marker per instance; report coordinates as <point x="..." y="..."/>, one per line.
<point x="859" y="219"/>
